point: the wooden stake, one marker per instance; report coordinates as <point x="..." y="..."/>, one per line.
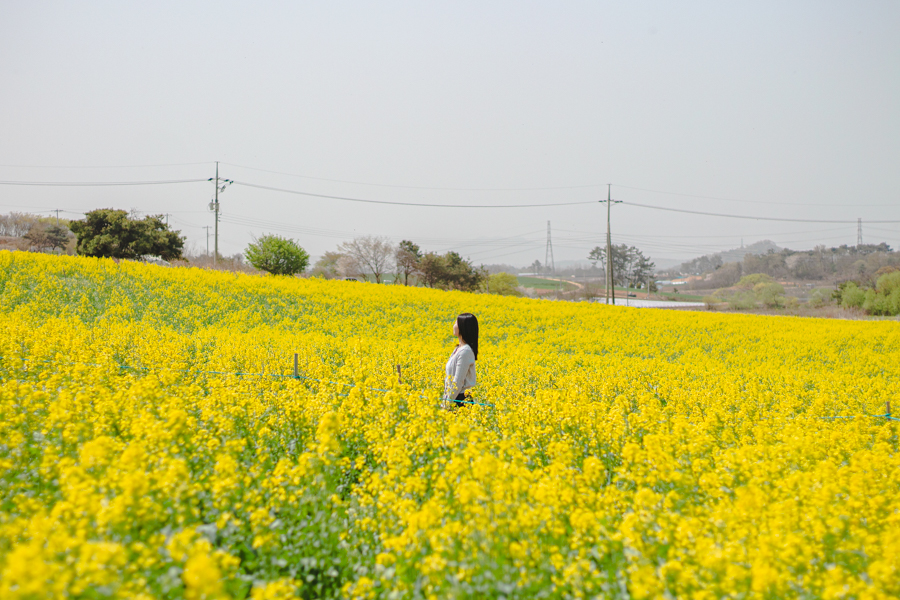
<point x="399" y="375"/>
<point x="888" y="403"/>
<point x="296" y="366"/>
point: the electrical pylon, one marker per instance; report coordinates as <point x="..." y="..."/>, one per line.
<point x="548" y="255"/>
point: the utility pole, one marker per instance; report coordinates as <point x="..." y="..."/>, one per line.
<point x="216" y="255"/>
<point x="859" y="232"/>
<point x="610" y="286"/>
<point x="167" y="215"/>
<point x="57" y="211"/>
<point x="207" y="228"/>
<point x="214" y="206"/>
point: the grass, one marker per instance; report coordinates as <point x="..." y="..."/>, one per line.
<point x="540" y="283"/>
<point x="680" y="296"/>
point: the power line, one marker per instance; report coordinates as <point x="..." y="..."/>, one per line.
<point x="421" y="187"/>
<point x="712" y="214"/>
<point x="523" y="250"/>
<point x="650" y="238"/>
<point x="104" y="166"/>
<point x="508" y="241"/>
<point x="882" y="229"/>
<point x="505" y="242"/>
<point x="367" y="201"/>
<point x="385" y="185"/>
<point x="597" y="234"/>
<point x="719" y="248"/>
<point x="628" y="187"/>
<point x="432" y="205"/>
<point x="523" y="245"/>
<point x="99" y="183"/>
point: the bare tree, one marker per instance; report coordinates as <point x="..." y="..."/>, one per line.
<point x="373" y="254"/>
<point x="17" y="224"/>
<point x="348" y="266"/>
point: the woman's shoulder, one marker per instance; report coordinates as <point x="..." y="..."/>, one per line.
<point x="466" y="349"/>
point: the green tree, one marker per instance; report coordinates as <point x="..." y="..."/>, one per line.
<point x="432" y="266"/>
<point x="111" y="233"/>
<point x="461" y="274"/>
<point x="277" y="255"/>
<point x="770" y="294"/>
<point x="852" y="296"/>
<point x="639" y="268"/>
<point x="451" y="271"/>
<point x="885" y="298"/>
<point x="44" y="237"/>
<point x="408" y="256"/>
<point x="504" y="284"/>
<point x="629" y="263"/>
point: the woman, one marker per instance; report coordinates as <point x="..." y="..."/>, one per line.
<point x="461" y="366"/>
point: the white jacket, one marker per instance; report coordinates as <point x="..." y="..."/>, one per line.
<point x="460" y="372"/>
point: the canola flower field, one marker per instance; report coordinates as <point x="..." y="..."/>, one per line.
<point x="153" y="444"/>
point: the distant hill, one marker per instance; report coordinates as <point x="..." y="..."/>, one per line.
<point x="709" y="262"/>
<point x="737" y="254"/>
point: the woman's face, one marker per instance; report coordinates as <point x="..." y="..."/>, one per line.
<point x="455" y="328"/>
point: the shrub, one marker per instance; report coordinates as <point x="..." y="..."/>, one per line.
<point x="771" y="294"/>
<point x="742" y="300"/>
<point x="711" y="301"/>
<point x="893" y="302"/>
<point x="888" y="282"/>
<point x="751" y="281"/>
<point x="818" y="299"/>
<point x="504" y="284"/>
<point x="852" y="296"/>
<point x="277" y="255"/>
<point x="885" y="298"/>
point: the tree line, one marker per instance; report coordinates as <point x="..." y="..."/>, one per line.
<point x="374" y="257"/>
<point x="41" y="234"/>
<point x="859" y="264"/>
<point x="119" y="234"/>
<point x="112" y="233"/>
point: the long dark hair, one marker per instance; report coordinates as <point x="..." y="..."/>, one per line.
<point x="468" y="329"/>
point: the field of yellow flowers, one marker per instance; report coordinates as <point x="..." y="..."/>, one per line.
<point x="153" y="443"/>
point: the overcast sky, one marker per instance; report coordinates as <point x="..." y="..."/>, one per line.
<point x="765" y="109"/>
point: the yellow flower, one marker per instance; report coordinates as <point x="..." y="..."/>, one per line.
<point x="150" y="430"/>
<point x="202" y="578"/>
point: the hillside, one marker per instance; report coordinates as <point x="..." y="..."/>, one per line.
<point x="710" y="262"/>
<point x="738" y="254"/>
<point x="156" y="443"/>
